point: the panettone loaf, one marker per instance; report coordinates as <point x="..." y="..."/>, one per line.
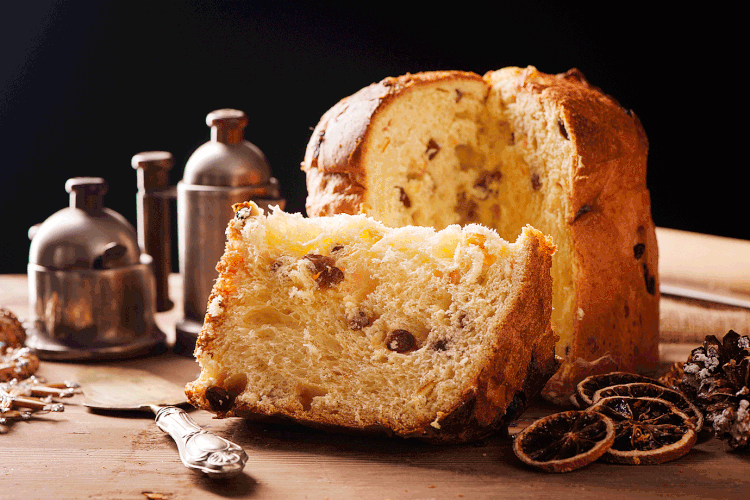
<point x="341" y="322"/>
<point x="514" y="147"/>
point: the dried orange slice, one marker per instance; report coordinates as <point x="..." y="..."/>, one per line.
<point x="647" y="430"/>
<point x="565" y="441"/>
<point x="649" y="390"/>
<point x="584" y="393"/>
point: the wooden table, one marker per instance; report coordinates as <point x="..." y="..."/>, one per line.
<point x="79" y="454"/>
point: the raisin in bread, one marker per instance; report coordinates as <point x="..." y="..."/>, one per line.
<point x="342" y="323"/>
<point x="514" y="147"/>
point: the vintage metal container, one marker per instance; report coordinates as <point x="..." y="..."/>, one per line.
<point x="91" y="290"/>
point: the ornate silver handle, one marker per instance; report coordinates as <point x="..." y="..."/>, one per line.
<point x="198" y="448"/>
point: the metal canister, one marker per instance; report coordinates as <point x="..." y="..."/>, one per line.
<point x="91" y="290"/>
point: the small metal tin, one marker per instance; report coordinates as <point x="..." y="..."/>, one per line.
<point x="91" y="290"/>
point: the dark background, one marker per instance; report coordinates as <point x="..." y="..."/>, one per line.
<point x="85" y="85"/>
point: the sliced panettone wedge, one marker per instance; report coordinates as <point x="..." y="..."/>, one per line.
<point x="343" y="323"/>
<point x="510" y="148"/>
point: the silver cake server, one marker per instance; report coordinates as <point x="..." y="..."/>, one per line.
<point x="127" y="389"/>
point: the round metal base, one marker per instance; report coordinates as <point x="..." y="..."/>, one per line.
<point x="186" y="333"/>
<point x="47" y="348"/>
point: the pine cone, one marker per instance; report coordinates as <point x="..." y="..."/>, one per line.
<point x="12" y="332"/>
<point x="673" y="377"/>
<point x="733" y="425"/>
<point x="18" y="363"/>
<point x="717" y="380"/>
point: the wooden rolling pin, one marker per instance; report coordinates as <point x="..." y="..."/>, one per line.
<point x="713" y="267"/>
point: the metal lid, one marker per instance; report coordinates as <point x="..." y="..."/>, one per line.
<point x="227" y="159"/>
<point x="86" y="235"/>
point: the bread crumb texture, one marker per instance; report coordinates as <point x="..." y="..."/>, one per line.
<point x="342" y="321"/>
<point x="511" y="148"/>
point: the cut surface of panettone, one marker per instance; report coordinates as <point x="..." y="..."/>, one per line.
<point x="343" y="323"/>
<point x="511" y="148"/>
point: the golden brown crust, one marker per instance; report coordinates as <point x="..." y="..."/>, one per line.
<point x="608" y="209"/>
<point x="610" y="144"/>
<point x="612" y="229"/>
<point x="335" y="176"/>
